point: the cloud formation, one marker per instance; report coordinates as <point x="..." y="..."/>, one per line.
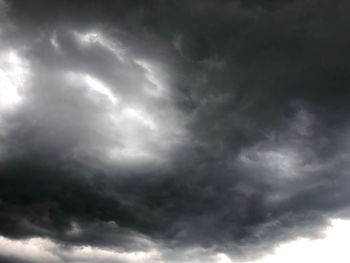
<point x="161" y="128"/>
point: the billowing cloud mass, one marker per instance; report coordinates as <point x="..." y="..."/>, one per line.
<point x="174" y="131"/>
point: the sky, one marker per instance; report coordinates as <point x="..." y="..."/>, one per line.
<point x="174" y="131"/>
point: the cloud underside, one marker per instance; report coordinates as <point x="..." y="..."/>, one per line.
<point x="139" y="132"/>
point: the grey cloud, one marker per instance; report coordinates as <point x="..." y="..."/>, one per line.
<point x="251" y="130"/>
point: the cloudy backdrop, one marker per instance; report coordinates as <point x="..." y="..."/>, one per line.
<point x="168" y="131"/>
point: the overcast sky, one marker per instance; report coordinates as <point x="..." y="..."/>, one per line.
<point x="167" y="131"/>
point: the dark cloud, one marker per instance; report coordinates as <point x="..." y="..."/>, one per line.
<point x="189" y="123"/>
<point x="12" y="260"/>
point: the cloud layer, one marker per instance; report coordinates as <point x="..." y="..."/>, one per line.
<point x="131" y="127"/>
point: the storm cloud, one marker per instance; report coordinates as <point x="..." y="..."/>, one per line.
<point x="171" y="131"/>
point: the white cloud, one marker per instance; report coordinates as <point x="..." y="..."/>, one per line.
<point x="334" y="247"/>
<point x="34" y="249"/>
<point x="54" y="41"/>
<point x="93" y="84"/>
<point x="98" y="38"/>
<point x="222" y="258"/>
<point x="155" y="84"/>
<point x="14" y="72"/>
<point x="139" y="116"/>
<point x="46" y="250"/>
<point x="130" y="124"/>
